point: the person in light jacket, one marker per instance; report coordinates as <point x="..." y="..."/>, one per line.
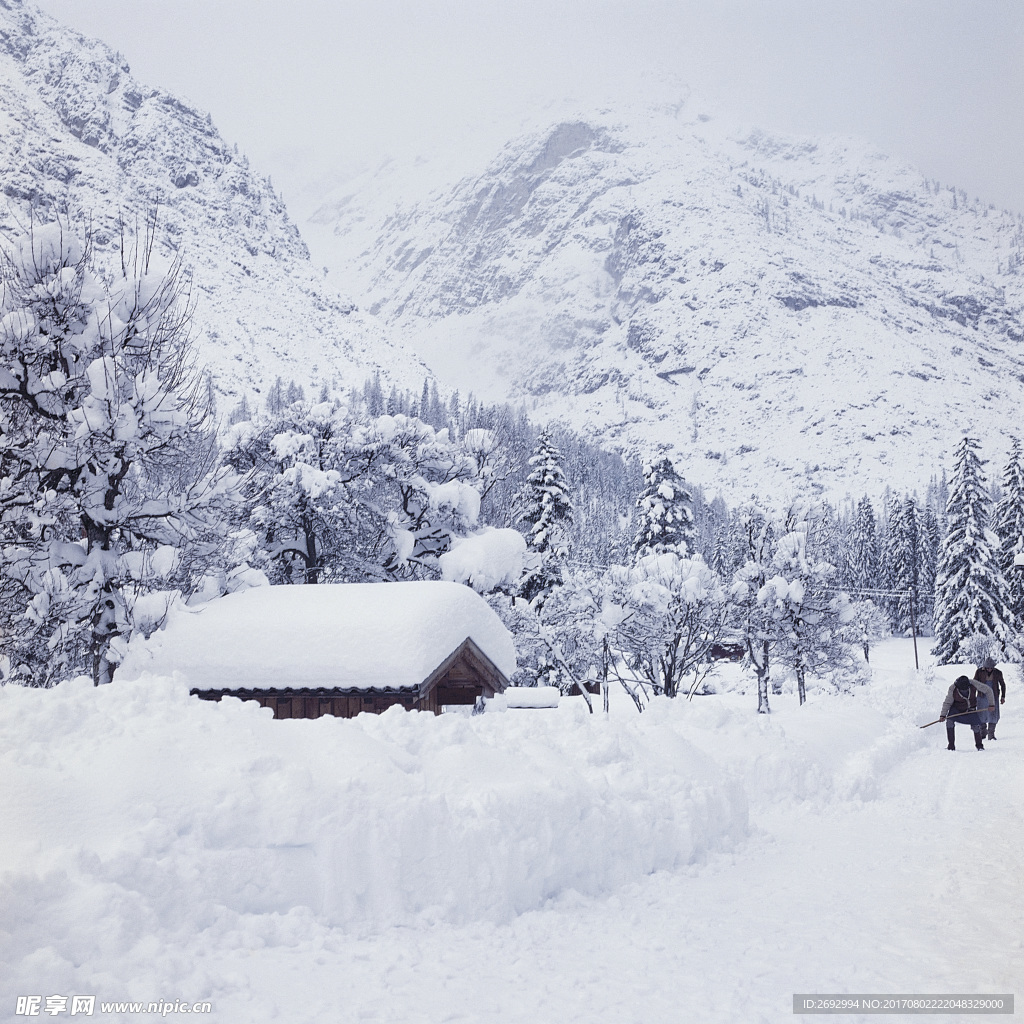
<point x="988" y="673"/>
<point x="961" y="705"/>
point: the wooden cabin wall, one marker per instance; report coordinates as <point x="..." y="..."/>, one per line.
<point x="292" y="706"/>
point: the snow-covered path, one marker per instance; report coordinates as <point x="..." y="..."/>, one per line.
<point x="915" y="890"/>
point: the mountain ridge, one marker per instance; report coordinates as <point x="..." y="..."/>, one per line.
<point x="80" y="137"/>
<point x="777" y="312"/>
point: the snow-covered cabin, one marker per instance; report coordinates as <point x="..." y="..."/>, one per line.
<point x="307" y="651"/>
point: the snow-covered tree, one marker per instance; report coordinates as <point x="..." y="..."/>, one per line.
<point x="559" y="642"/>
<point x="862" y="551"/>
<point x="303" y="476"/>
<point x="810" y="616"/>
<point x="784" y="604"/>
<point x="867" y="624"/>
<point x="753" y="601"/>
<point x="971" y="596"/>
<point x="1009" y="528"/>
<point x="106" y="447"/>
<point x="664" y="614"/>
<point x="665" y="513"/>
<point x="929" y="546"/>
<point x="337" y="493"/>
<point x="546" y="513"/>
<point x="902" y="557"/>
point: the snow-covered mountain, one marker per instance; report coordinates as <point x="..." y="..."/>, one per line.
<point x="780" y="312"/>
<point x="79" y="134"/>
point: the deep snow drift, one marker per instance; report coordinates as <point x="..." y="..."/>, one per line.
<point x="698" y="862"/>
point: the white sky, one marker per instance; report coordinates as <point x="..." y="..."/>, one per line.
<point x="303" y="85"/>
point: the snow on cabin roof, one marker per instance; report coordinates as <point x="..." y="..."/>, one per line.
<point x="351" y="635"/>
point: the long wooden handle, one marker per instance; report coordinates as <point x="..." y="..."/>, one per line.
<point x="948" y="717"/>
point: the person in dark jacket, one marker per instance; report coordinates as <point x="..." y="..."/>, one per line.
<point x="961" y="705"/>
<point x="988" y="673"/>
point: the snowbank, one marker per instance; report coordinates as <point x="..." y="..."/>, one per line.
<point x="133" y="810"/>
<point x="532" y="697"/>
<point x="350" y="635"/>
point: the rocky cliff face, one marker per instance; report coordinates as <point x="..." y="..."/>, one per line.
<point x="780" y="313"/>
<point x="81" y="137"/>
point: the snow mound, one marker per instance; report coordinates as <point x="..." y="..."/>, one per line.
<point x="137" y="815"/>
<point x="532" y="697"/>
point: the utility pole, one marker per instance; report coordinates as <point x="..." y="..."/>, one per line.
<point x="913" y="628"/>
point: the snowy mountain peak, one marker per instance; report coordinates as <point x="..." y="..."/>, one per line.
<point x="776" y="311"/>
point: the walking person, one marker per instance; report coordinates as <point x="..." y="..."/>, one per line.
<point x="988" y="673"/>
<point x="961" y="705"/>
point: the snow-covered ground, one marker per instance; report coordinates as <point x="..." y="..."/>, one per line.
<point x="696" y="863"/>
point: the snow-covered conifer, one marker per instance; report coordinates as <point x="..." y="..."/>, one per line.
<point x="862" y="559"/>
<point x="971" y="596"/>
<point x="1009" y="527"/>
<point x="904" y="557"/>
<point x="665" y="513"/>
<point x="546" y="512"/>
<point x="929" y="545"/>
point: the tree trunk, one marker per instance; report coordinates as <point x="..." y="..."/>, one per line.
<point x="312" y="561"/>
<point x="762" y="682"/>
<point x="801" y="690"/>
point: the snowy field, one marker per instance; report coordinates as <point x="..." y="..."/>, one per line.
<point x="695" y="863"/>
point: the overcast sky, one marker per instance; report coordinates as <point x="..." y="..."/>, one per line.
<point x="937" y="82"/>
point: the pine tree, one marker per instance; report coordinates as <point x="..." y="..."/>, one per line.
<point x="1009" y="527"/>
<point x="424" y="408"/>
<point x="862" y="562"/>
<point x="904" y="566"/>
<point x="929" y="547"/>
<point x="971" y="596"/>
<point x="665" y="513"/>
<point x="546" y="511"/>
<point x="890" y="556"/>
